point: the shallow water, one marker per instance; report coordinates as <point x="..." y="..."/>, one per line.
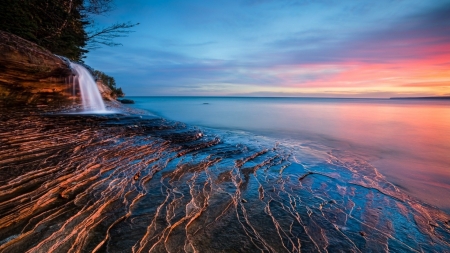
<point x="137" y="183"/>
<point x="407" y="140"/>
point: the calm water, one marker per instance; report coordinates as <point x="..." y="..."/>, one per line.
<point x="408" y="141"/>
<point x="295" y="180"/>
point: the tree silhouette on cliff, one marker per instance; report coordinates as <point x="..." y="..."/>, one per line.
<point x="65" y="27"/>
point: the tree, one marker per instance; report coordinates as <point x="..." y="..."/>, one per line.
<point x="120" y="93"/>
<point x="98" y="36"/>
<point x="108" y="81"/>
<point x="57" y="25"/>
<point x="104" y="36"/>
<point x="65" y="27"/>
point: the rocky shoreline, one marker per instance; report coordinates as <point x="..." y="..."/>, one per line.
<point x="130" y="182"/>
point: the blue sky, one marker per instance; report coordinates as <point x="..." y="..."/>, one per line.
<point x="280" y="48"/>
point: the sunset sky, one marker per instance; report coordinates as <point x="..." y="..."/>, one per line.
<point x="323" y="48"/>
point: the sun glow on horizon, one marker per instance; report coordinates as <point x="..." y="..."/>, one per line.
<point x="268" y="48"/>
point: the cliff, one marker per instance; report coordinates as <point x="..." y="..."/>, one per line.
<point x="30" y="74"/>
<point x="105" y="91"/>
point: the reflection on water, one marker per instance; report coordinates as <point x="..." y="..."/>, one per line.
<point x="407" y="140"/>
<point x="137" y="183"/>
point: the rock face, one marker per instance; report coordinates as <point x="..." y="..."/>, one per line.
<point x="105" y="91"/>
<point x="30" y="74"/>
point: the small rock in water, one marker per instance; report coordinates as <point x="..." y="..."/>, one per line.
<point x="126" y="101"/>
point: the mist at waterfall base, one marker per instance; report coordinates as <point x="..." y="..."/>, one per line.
<point x="408" y="141"/>
<point x="90" y="95"/>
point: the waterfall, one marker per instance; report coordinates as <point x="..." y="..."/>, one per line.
<point x="90" y="95"/>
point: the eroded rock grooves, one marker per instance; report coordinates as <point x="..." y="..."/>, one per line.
<point x="124" y="183"/>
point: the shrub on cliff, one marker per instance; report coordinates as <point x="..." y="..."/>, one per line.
<point x="110" y="82"/>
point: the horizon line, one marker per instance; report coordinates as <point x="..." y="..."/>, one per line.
<point x="308" y="97"/>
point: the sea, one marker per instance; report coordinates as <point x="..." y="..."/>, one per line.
<point x="406" y="140"/>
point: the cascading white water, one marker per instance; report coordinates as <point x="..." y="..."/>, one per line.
<point x="92" y="100"/>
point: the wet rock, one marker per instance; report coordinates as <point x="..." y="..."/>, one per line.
<point x="126" y="101"/>
<point x="433" y="224"/>
<point x="64" y="196"/>
<point x="305" y="175"/>
<point x="67" y="183"/>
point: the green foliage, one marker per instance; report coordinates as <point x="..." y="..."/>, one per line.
<point x="65" y="27"/>
<point x="110" y="82"/>
<point x="119" y="92"/>
<point x="57" y="25"/>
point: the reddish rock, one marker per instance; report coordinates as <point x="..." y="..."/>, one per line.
<point x="30" y="74"/>
<point x="105" y="91"/>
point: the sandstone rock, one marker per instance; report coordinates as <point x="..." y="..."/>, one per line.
<point x="30" y="74"/>
<point x="105" y="91"/>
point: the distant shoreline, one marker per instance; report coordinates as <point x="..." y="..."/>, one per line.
<point x="428" y="98"/>
<point x="331" y="98"/>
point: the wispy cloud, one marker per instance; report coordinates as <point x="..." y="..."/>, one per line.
<point x="257" y="46"/>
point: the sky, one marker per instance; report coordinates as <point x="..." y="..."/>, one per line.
<point x="306" y="48"/>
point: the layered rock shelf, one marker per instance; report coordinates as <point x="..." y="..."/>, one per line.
<point x="136" y="183"/>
